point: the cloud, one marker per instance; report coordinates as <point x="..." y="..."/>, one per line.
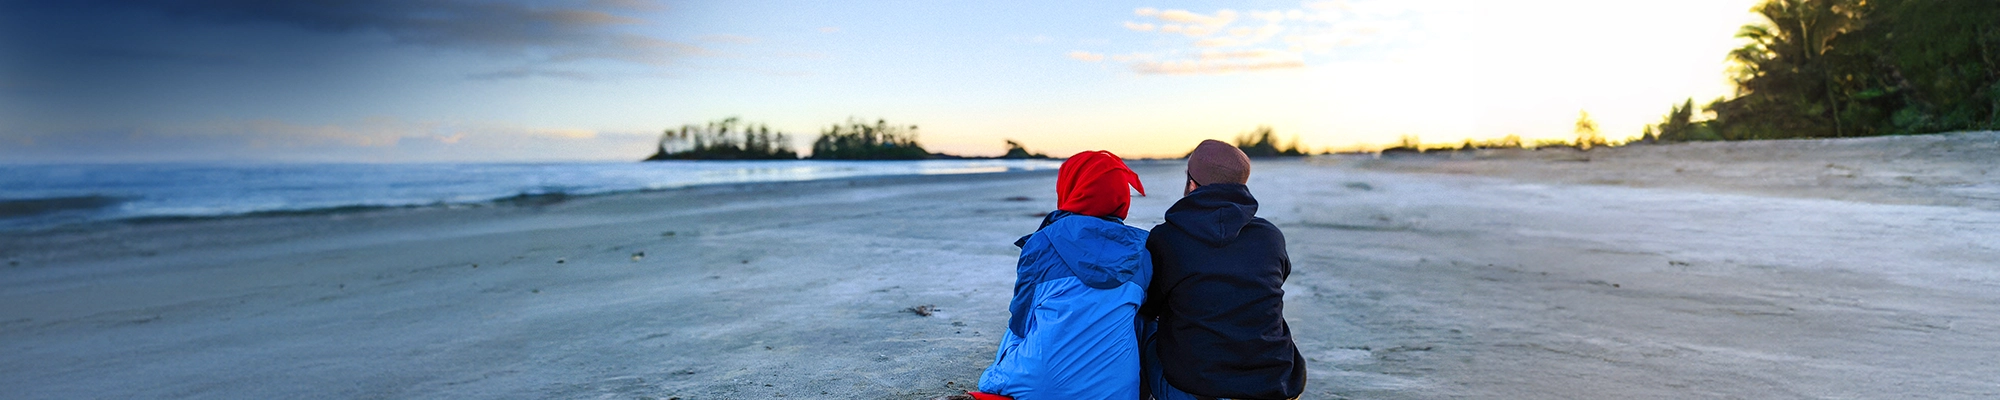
<point x="369" y="139"/>
<point x="533" y="72"/>
<point x="442" y="23"/>
<point x="368" y="132"/>
<point x="1220" y="18"/>
<point x="1086" y="56"/>
<point x="729" y="39"/>
<point x="1210" y="67"/>
<point x="1228" y="41"/>
<point x="1257" y="54"/>
<point x="1243" y="37"/>
<point x="563" y="133"/>
<point x="804" y="55"/>
<point x="636" y="5"/>
<point x="633" y="48"/>
<point x="829" y="29"/>
<point x="570" y="30"/>
<point x="372" y="132"/>
<point x="1215" y="62"/>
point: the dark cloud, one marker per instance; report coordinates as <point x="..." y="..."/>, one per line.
<point x="559" y="31"/>
<point x="65" y="63"/>
<point x="529" y="72"/>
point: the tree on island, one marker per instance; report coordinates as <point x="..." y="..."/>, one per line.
<point x="1263" y="142"/>
<point x="1016" y="151"/>
<point x="1406" y="144"/>
<point x="726" y="139"/>
<point x="1840" y="68"/>
<point x="858" y="140"/>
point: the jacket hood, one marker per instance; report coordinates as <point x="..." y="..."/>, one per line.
<point x="1214" y="213"/>
<point x="1100" y="252"/>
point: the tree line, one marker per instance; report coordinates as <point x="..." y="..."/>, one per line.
<point x="1842" y="68"/>
<point x="725" y="139"/>
<point x="859" y="140"/>
<point x="733" y="139"/>
<point x="1263" y="142"/>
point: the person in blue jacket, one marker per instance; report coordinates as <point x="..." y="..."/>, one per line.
<point x="1081" y="277"/>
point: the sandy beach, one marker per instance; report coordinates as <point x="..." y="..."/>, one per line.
<point x="1858" y="268"/>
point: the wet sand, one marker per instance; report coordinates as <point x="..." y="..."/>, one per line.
<point x="1496" y="276"/>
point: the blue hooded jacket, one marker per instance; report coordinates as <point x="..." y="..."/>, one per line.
<point x="1074" y="332"/>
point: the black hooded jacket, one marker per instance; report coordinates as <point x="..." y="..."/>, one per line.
<point x="1217" y="272"/>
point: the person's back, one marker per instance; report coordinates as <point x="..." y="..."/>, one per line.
<point x="1218" y="272"/>
<point x="1080" y="280"/>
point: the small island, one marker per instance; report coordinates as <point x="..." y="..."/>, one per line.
<point x="733" y="139"/>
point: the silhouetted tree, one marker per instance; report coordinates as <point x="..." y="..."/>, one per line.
<point x="725" y="139"/>
<point x="1263" y="142"/>
<point x="1016" y="151"/>
<point x="1586" y="132"/>
<point x="1406" y="144"/>
<point x="859" y="140"/>
<point x="1784" y="74"/>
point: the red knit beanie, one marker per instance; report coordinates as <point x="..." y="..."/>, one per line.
<point x="1093" y="183"/>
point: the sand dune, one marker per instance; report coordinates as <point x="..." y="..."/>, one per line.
<point x="1756" y="270"/>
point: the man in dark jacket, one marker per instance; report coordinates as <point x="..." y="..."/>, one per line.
<point x="1216" y="291"/>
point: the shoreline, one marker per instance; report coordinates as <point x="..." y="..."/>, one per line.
<point x="517" y="200"/>
<point x="1519" y="278"/>
<point x="513" y="206"/>
<point x="73" y="211"/>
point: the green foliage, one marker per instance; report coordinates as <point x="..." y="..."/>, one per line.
<point x="858" y="140"/>
<point x="726" y="139"/>
<point x="1016" y="151"/>
<point x="1406" y="144"/>
<point x="1680" y="126"/>
<point x="1675" y="127"/>
<point x="1943" y="59"/>
<point x="1835" y="68"/>
<point x="1540" y="143"/>
<point x="1511" y="141"/>
<point x="1586" y="132"/>
<point x="1263" y="142"/>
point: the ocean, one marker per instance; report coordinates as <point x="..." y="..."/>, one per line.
<point x="44" y="196"/>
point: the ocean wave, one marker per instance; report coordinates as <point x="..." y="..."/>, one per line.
<point x="44" y="206"/>
<point x="46" y="196"/>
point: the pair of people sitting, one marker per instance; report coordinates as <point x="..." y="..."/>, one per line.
<point x="1190" y="310"/>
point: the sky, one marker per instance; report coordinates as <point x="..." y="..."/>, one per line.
<point x="455" y="81"/>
